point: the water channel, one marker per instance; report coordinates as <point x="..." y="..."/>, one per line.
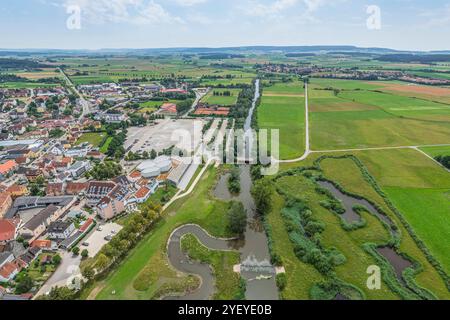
<point x="255" y="266"/>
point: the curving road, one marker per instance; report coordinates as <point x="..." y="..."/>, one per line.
<point x="180" y="261"/>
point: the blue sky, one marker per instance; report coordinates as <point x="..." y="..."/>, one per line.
<point x="405" y="24"/>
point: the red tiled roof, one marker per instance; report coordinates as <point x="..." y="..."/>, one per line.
<point x="75" y="187"/>
<point x="41" y="244"/>
<point x="135" y="175"/>
<point x="8" y="269"/>
<point x="7" y="166"/>
<point x="86" y="225"/>
<point x="8" y="229"/>
<point x="169" y="107"/>
<point x="142" y="192"/>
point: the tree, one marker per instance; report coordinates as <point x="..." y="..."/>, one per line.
<point x="234" y="184"/>
<point x="56" y="260"/>
<point x="237" y="218"/>
<point x="262" y="194"/>
<point x="24" y="284"/>
<point x="76" y="251"/>
<point x="102" y="262"/>
<point x="153" y="154"/>
<point x="84" y="254"/>
<point x="281" y="280"/>
<point x="88" y="273"/>
<point x="59" y="293"/>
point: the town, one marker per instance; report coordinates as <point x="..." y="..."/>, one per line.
<point x="76" y="159"/>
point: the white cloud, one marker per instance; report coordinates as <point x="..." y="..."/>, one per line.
<point x="278" y="7"/>
<point x="190" y="3"/>
<point x="123" y="11"/>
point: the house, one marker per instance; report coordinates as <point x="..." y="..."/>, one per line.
<point x="6" y="257"/>
<point x="33" y="174"/>
<point x="79" y="168"/>
<point x="7" y="169"/>
<point x="60" y="230"/>
<point x="29" y="256"/>
<point x="57" y="150"/>
<point x="78" y="152"/>
<point x="39" y="223"/>
<point x="113" y="203"/>
<point x="43" y="244"/>
<point x="97" y="190"/>
<point x="9" y="268"/>
<point x="142" y="194"/>
<point x="95" y="155"/>
<point x="5" y="203"/>
<point x="54" y="189"/>
<point x="76" y="188"/>
<point x="9" y="229"/>
<point x="17" y="191"/>
<point x="168" y="109"/>
<point x="18" y="153"/>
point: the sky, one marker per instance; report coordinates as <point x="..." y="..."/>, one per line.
<point x="96" y="24"/>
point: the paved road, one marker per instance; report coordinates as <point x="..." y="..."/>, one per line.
<point x="84" y="103"/>
<point x="198" y="97"/>
<point x="68" y="269"/>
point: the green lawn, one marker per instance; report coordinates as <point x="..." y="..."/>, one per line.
<point x="146" y="269"/>
<point x="93" y="138"/>
<point x="104" y="147"/>
<point x="287" y="114"/>
<point x="215" y="96"/>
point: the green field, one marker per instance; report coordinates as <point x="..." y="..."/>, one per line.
<point x="420" y="188"/>
<point x="93" y="138"/>
<point x="31" y="85"/>
<point x="104" y="147"/>
<point x="146" y="270"/>
<point x="357" y="118"/>
<point x="283" y="108"/>
<point x="437" y="151"/>
<point x="216" y="97"/>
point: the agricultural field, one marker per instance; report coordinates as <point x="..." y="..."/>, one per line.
<point x="437" y="151"/>
<point x="283" y="107"/>
<point x="420" y="188"/>
<point x="222" y="97"/>
<point x="352" y="114"/>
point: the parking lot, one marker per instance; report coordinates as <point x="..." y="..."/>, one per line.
<point x="159" y="137"/>
<point x="96" y="240"/>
